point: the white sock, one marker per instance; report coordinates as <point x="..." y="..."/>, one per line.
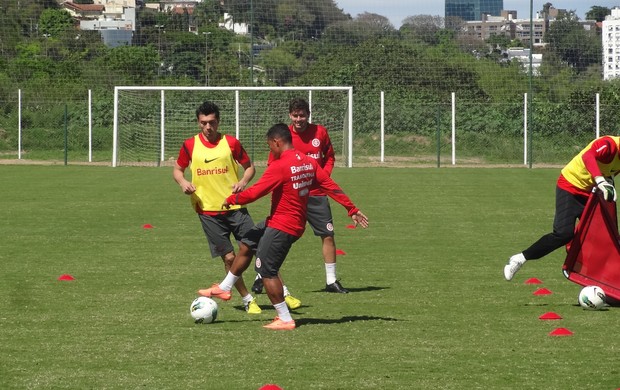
<point x="330" y="273"/>
<point x="286" y="292"/>
<point x="283" y="312"/>
<point x="247" y="299"/>
<point x="228" y="282"/>
<point x="519" y="258"/>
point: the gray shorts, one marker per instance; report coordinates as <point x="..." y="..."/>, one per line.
<point x="320" y="216"/>
<point x="218" y="229"/>
<point x="271" y="246"/>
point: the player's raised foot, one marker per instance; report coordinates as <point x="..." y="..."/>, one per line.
<point x="292" y="302"/>
<point x="215" y="292"/>
<point x="278" y="324"/>
<point x="514" y="264"/>
<point x="336" y="287"/>
<point x="252" y="307"/>
<point x="257" y="287"/>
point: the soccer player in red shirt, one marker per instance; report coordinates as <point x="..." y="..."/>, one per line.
<point x="213" y="160"/>
<point x="289" y="178"/>
<point x="313" y="140"/>
<point x="594" y="166"/>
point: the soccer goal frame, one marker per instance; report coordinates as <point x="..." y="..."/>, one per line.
<point x="152" y="117"/>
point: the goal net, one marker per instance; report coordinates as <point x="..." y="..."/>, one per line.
<point x="151" y="123"/>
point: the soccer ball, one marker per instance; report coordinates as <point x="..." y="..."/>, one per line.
<point x="203" y="310"/>
<point x="592" y="298"/>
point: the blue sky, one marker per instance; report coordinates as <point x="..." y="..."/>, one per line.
<point x="397" y="10"/>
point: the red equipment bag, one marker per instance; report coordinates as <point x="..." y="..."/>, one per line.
<point x="593" y="256"/>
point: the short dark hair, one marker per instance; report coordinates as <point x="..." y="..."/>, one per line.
<point x="298" y="104"/>
<point x="208" y="108"/>
<point x="281" y="131"/>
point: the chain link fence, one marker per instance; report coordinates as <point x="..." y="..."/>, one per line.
<point x="57" y="79"/>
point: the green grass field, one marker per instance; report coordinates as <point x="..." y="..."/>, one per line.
<point x="429" y="308"/>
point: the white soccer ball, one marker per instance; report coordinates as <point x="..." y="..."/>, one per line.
<point x="592" y="298"/>
<point x="203" y="310"/>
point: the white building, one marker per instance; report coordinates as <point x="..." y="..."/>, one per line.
<point x="508" y="25"/>
<point x="523" y="56"/>
<point x="230" y="25"/>
<point x="611" y="45"/>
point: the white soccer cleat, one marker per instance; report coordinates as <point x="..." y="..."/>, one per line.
<point x="514" y="264"/>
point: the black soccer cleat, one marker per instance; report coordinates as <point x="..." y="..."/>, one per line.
<point x="336" y="287"/>
<point x="257" y="287"/>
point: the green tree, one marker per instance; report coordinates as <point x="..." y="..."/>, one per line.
<point x="55" y="22"/>
<point x="280" y="66"/>
<point x="208" y="12"/>
<point x="423" y="27"/>
<point x="364" y="27"/>
<point x="136" y="65"/>
<point x="304" y="19"/>
<point x="597" y="13"/>
<point x="31" y="62"/>
<point x="573" y="45"/>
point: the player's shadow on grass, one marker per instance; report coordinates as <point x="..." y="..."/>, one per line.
<point x="359" y="289"/>
<point x="324" y="321"/>
<point x="604" y="308"/>
<point x="612" y="302"/>
<point x="268" y="306"/>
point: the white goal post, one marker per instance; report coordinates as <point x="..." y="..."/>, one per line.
<point x="151" y="123"/>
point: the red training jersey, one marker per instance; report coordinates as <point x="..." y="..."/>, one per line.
<point x="290" y="179"/>
<point x="315" y="143"/>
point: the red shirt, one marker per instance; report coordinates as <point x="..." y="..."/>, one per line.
<point x="314" y="142"/>
<point x="185" y="154"/>
<point x="290" y="179"/>
<point x="602" y="150"/>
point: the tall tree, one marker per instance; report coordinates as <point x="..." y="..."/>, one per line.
<point x="55" y="22"/>
<point x="572" y="44"/>
<point x="423" y="27"/>
<point x="597" y="13"/>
